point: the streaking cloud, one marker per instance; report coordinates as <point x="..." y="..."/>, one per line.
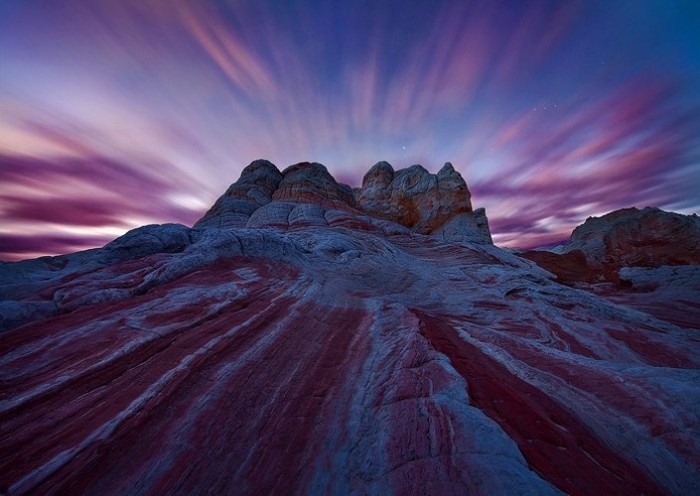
<point x="116" y="114"/>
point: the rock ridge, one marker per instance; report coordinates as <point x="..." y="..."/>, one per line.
<point x="432" y="204"/>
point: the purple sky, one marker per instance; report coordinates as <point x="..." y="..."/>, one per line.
<point x="115" y="114"/>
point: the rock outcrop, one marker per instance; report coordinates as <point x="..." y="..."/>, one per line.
<point x="601" y="246"/>
<point x="417" y="199"/>
<point x="295" y="341"/>
<point x="647" y="259"/>
<point x="638" y="238"/>
<point x="254" y="188"/>
<point x="432" y="204"/>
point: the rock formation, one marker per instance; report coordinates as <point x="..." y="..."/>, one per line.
<point x="647" y="259"/>
<point x="638" y="238"/>
<point x="439" y="205"/>
<point x="601" y="246"/>
<point x="304" y="338"/>
<point x="428" y="204"/>
<point x="254" y="189"/>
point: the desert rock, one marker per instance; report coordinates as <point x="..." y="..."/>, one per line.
<point x="322" y="349"/>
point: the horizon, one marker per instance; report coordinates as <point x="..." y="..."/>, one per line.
<point x="117" y="115"/>
<point x="548" y="246"/>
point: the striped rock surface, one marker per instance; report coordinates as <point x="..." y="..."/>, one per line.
<point x="333" y="353"/>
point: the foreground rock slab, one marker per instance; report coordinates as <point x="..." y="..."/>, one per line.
<point x="349" y="356"/>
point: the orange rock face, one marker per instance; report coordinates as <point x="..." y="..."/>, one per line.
<point x="414" y="197"/>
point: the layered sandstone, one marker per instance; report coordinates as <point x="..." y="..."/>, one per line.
<point x="306" y="339"/>
<point x="432" y="204"/>
<point x="648" y="259"/>
<point x="638" y="238"/>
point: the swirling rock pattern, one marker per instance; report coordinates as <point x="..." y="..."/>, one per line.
<point x="323" y="350"/>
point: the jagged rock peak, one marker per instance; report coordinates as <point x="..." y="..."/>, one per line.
<point x="437" y="204"/>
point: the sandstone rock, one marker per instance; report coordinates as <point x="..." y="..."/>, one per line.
<point x="632" y="237"/>
<point x="646" y="259"/>
<point x="419" y="200"/>
<point x="146" y="240"/>
<point x="433" y="204"/>
<point x="273" y="214"/>
<point x="330" y="355"/>
<point x="470" y="227"/>
<point x="327" y="350"/>
<point x="312" y="183"/>
<point x="254" y="188"/>
<point x="227" y="212"/>
<point x="375" y="184"/>
<point x="664" y="277"/>
<point x="307" y="214"/>
<point x="570" y="268"/>
<point x="668" y="292"/>
<point x="600" y="247"/>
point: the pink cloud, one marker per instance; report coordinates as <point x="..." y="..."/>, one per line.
<point x="88" y="194"/>
<point x="19" y="247"/>
<point x="155" y="101"/>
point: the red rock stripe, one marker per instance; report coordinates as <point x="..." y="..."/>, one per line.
<point x="266" y="413"/>
<point x="92" y="399"/>
<point x="554" y="443"/>
<point x="66" y="414"/>
<point x="634" y="395"/>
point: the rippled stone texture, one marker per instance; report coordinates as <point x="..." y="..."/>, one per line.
<point x="323" y="350"/>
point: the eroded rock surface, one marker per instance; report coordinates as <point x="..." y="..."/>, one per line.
<point x="324" y="350"/>
<point x="647" y="259"/>
<point x="437" y="204"/>
<point x="427" y="203"/>
<point x="255" y="187"/>
<point x="638" y="238"/>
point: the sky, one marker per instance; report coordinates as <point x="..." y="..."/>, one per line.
<point x="116" y="114"/>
